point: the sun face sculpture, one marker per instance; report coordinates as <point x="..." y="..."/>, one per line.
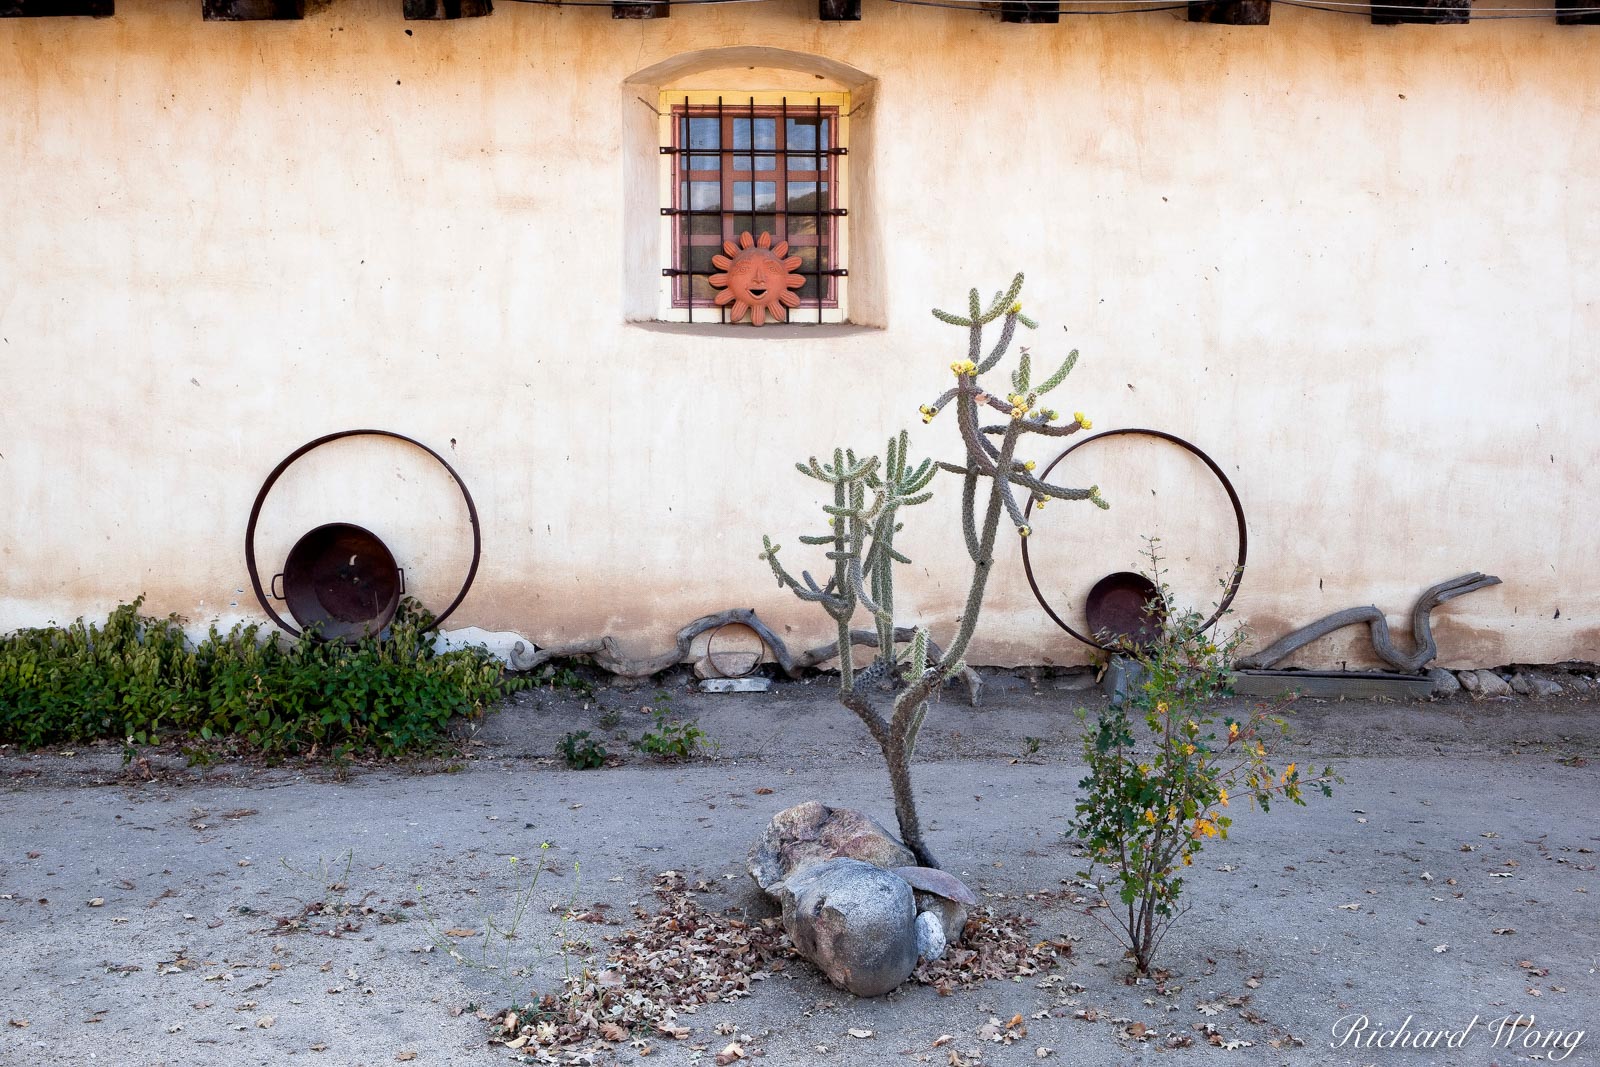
<point x="756" y="279"/>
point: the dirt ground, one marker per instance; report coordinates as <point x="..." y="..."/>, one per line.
<point x="170" y="914"/>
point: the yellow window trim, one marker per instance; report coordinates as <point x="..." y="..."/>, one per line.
<point x="733" y="98"/>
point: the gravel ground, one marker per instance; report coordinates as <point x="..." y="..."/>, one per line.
<point x="161" y="914"/>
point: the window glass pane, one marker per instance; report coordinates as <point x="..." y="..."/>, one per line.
<point x="703" y="293"/>
<point x="804" y="144"/>
<point x="808" y="265"/>
<point x="751" y="135"/>
<point x="700" y="196"/>
<point x="765" y="196"/>
<point x="702" y="133"/>
<point x="803" y="197"/>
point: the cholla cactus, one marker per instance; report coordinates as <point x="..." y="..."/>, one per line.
<point x="868" y="494"/>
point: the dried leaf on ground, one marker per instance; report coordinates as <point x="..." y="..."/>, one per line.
<point x="993" y="947"/>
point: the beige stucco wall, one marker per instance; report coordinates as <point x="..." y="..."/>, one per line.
<point x="1356" y="264"/>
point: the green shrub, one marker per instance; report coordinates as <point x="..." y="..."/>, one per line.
<point x="671" y="739"/>
<point x="138" y="679"/>
<point x="1155" y="797"/>
<point x="582" y="752"/>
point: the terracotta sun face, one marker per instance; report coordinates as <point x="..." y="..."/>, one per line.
<point x="756" y="279"/>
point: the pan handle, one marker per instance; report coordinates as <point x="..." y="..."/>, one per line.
<point x="402" y="572"/>
<point x="273" y="587"/>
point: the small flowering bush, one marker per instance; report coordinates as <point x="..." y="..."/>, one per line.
<point x="1154" y="798"/>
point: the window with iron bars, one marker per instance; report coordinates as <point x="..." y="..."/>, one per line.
<point x="756" y="164"/>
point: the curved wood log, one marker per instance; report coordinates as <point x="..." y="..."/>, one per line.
<point x="603" y="651"/>
<point x="1421" y="628"/>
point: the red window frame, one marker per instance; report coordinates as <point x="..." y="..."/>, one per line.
<point x="816" y="166"/>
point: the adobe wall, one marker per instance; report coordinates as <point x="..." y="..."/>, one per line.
<point x="1358" y="265"/>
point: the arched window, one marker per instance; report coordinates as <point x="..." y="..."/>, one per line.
<point x="758" y="141"/>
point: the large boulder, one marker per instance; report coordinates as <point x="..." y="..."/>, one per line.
<point x="856" y="921"/>
<point x="812" y="833"/>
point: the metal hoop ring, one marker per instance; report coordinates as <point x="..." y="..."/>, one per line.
<point x="277" y="472"/>
<point x="1233" y="498"/>
<point x="711" y="657"/>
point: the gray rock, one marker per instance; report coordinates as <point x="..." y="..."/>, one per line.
<point x="931" y="944"/>
<point x="952" y="914"/>
<point x="1468" y="680"/>
<point x="942" y="895"/>
<point x="1444" y="683"/>
<point x="1074" y="683"/>
<point x="1519" y="684"/>
<point x="1577" y="683"/>
<point x="857" y="922"/>
<point x="812" y="833"/>
<point x="1491" y="684"/>
<point x="933" y="880"/>
<point x="1541" y="686"/>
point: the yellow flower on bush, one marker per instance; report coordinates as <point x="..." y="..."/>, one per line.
<point x="1222" y="795"/>
<point x="1233" y="731"/>
<point x="1150" y="816"/>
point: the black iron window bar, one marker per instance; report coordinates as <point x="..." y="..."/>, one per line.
<point x="821" y="278"/>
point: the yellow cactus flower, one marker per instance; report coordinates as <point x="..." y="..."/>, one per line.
<point x="1029" y="465"/>
<point x="1017" y="413"/>
<point x="1024" y="530"/>
<point x="1040" y="505"/>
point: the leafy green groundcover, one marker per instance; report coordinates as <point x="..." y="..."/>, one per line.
<point x="139" y="680"/>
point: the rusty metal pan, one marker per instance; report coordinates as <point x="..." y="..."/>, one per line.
<point x="341" y="581"/>
<point x="1125" y="609"/>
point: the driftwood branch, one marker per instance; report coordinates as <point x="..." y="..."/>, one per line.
<point x="1421" y="628"/>
<point x="603" y="651"/>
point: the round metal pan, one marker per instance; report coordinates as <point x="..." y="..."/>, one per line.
<point x="1125" y="608"/>
<point x="341" y="582"/>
